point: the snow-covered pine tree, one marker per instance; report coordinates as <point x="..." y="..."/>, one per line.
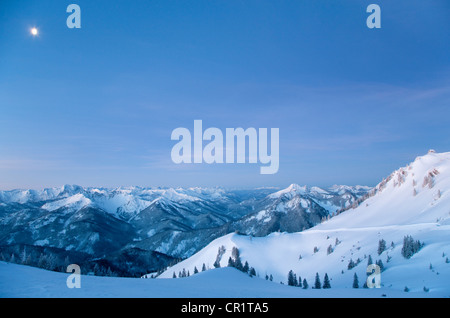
<point x="291" y="278"/>
<point x="236" y="258"/>
<point x="381" y="246"/>
<point x="329" y="249"/>
<point x="369" y="261"/>
<point x="410" y="247"/>
<point x="326" y="282"/>
<point x="305" y="284"/>
<point x="351" y="264"/>
<point x="355" y="281"/>
<point x="246" y="267"/>
<point x="380" y="264"/>
<point x="230" y="262"/>
<point x="337" y="242"/>
<point x="23" y="259"/>
<point x="317" y="284"/>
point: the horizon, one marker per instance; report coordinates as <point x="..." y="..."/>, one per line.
<point x="227" y="188"/>
<point x="97" y="105"/>
<point x="275" y="188"/>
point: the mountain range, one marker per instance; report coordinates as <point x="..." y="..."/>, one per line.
<point x="402" y="225"/>
<point x="291" y="236"/>
<point x="109" y="228"/>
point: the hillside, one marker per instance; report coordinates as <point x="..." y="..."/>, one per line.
<point x="412" y="201"/>
<point x="165" y="224"/>
<point x="21" y="281"/>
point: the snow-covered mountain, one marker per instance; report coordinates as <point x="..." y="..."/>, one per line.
<point x="413" y="202"/>
<point x="176" y="222"/>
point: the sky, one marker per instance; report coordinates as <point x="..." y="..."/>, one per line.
<point x="96" y="106"/>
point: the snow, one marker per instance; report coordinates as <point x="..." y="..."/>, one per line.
<point x="392" y="213"/>
<point x="20" y="281"/>
<point x="414" y="200"/>
<point x="74" y="202"/>
<point x="41" y="242"/>
<point x="289" y="191"/>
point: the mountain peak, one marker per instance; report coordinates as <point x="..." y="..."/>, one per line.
<point x="293" y="189"/>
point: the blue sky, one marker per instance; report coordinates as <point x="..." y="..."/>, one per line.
<point x="96" y="106"/>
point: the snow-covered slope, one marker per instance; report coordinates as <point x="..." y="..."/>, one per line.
<point x="21" y="281"/>
<point x="414" y="200"/>
<point x="177" y="222"/>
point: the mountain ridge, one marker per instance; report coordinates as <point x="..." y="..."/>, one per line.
<point x="411" y="204"/>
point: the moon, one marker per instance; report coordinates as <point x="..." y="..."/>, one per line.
<point x="34" y="31"/>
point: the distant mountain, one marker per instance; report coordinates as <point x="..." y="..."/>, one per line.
<point x="175" y="222"/>
<point x="403" y="225"/>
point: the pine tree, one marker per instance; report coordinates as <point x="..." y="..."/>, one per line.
<point x="67" y="261"/>
<point x="42" y="262"/>
<point x="246" y="267"/>
<point x="317" y="284"/>
<point x="291" y="277"/>
<point x="24" y="256"/>
<point x="351" y="264"/>
<point x="96" y="270"/>
<point x="203" y="267"/>
<point x="326" y="282"/>
<point x="355" y="281"/>
<point x="305" y="284"/>
<point x="381" y="246"/>
<point x="271" y="277"/>
<point x="369" y="261"/>
<point x="410" y="247"/>
<point x="236" y="258"/>
<point x="109" y="273"/>
<point x="299" y="282"/>
<point x="174" y="275"/>
<point x="252" y="272"/>
<point x="220" y="253"/>
<point x="230" y="262"/>
<point x="195" y="270"/>
<point x="329" y="249"/>
<point x="380" y="264"/>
